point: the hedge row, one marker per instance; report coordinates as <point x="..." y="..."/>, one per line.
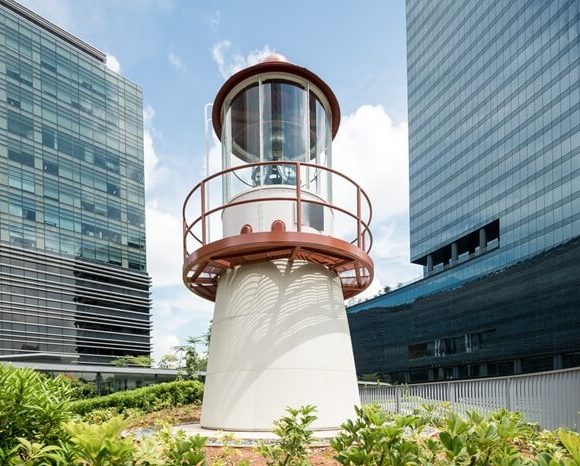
<point x="146" y="399"/>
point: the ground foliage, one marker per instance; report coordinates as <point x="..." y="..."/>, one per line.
<point x="146" y="399"/>
<point x="40" y="427"/>
<point x="31" y="406"/>
<point x="435" y="435"/>
<point x="295" y="436"/>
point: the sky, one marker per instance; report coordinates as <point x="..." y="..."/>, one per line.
<point x="181" y="51"/>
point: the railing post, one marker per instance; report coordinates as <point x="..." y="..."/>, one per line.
<point x="203" y="232"/>
<point x="508" y="394"/>
<point x="397" y="399"/>
<point x="298" y="198"/>
<point x="451" y="393"/>
<point x="184" y="239"/>
<point x="358" y="218"/>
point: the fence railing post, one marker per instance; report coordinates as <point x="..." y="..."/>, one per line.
<point x="451" y="393"/>
<point x="184" y="239"/>
<point x="203" y="219"/>
<point x="398" y="399"/>
<point x="298" y="198"/>
<point x="525" y="393"/>
<point x="358" y="218"/>
<point x="508" y="394"/>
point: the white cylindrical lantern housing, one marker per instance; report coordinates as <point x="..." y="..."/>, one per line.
<point x="268" y="118"/>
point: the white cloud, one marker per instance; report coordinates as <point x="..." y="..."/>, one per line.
<point x="176" y="61"/>
<point x="154" y="171"/>
<point x="164" y="246"/>
<point x="113" y="63"/>
<point x="163" y="343"/>
<point x="373" y="151"/>
<point x="229" y="62"/>
<point x="215" y="20"/>
<point x="177" y="313"/>
<point x="178" y="316"/>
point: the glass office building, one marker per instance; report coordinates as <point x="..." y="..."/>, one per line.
<point x="73" y="280"/>
<point x="494" y="140"/>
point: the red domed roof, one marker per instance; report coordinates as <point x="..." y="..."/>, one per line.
<point x="274" y="57"/>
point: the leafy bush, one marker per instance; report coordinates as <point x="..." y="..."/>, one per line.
<point x="81" y="389"/>
<point x="433" y="413"/>
<point x="571" y="441"/>
<point x="32" y="406"/>
<point x="34" y="431"/>
<point x="98" y="416"/>
<point x="146" y="399"/>
<point x="105" y="445"/>
<point x="437" y="436"/>
<point x="99" y="444"/>
<point x="295" y="436"/>
<point x="375" y="438"/>
<point x="178" y="449"/>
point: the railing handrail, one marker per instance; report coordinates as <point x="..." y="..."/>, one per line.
<point x="363" y="226"/>
<point x="277" y="162"/>
<point x="277" y="198"/>
<point x="484" y="379"/>
<point x="550" y="398"/>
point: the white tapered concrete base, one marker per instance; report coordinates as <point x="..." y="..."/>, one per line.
<point x="279" y="338"/>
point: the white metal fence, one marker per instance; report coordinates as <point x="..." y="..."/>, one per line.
<point x="551" y="399"/>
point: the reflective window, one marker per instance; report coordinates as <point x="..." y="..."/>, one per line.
<point x="293" y="125"/>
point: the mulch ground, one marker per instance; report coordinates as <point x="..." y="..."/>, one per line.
<point x="230" y="456"/>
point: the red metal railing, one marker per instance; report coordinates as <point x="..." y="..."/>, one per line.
<point x="362" y="226"/>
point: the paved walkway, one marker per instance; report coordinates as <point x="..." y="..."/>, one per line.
<point x="244" y="439"/>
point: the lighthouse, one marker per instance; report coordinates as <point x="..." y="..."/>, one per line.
<point x="277" y="272"/>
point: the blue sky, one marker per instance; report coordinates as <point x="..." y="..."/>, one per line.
<point x="180" y="52"/>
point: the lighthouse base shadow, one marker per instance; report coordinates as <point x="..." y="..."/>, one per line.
<point x="279" y="338"/>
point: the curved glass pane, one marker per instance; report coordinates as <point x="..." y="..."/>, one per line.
<point x="284" y="121"/>
<point x="293" y="126"/>
<point x="318" y="133"/>
<point x="245" y="125"/>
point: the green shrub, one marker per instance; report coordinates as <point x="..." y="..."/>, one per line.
<point x="32" y="454"/>
<point x="34" y="431"/>
<point x="32" y="406"/>
<point x="376" y="438"/>
<point x="98" y="416"/>
<point x="106" y="445"/>
<point x="80" y="389"/>
<point x="100" y="444"/>
<point x="433" y="413"/>
<point x="180" y="449"/>
<point x="295" y="436"/>
<point x="146" y="399"/>
<point x="437" y="436"/>
<point x="571" y="441"/>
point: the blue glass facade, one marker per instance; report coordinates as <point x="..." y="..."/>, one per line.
<point x="494" y="119"/>
<point x="72" y="193"/>
<point x="494" y="135"/>
<point x="494" y="172"/>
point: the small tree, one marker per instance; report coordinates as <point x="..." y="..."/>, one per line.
<point x="168" y="361"/>
<point x="189" y="357"/>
